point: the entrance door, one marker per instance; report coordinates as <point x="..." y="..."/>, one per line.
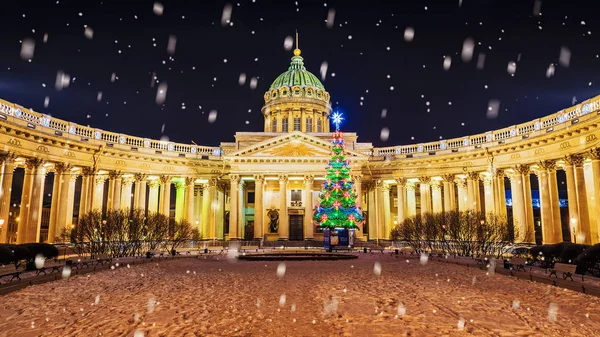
<point x="249" y="231"/>
<point x="296" y="227"/>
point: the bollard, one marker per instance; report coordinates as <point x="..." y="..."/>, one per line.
<point x="205" y="250"/>
<point x="396" y="251"/>
<point x="365" y="250"/>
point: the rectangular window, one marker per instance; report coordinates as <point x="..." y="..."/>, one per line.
<point x="296" y="195"/>
<point x="284" y="125"/>
<point x="274" y="125"/>
<point x="296" y="123"/>
<point x="319" y="126"/>
<point x="308" y="124"/>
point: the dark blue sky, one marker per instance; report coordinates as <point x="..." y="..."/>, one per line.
<point x="361" y="63"/>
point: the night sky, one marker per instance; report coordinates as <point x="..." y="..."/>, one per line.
<point x="365" y="50"/>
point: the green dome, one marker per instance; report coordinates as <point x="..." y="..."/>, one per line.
<point x="297" y="75"/>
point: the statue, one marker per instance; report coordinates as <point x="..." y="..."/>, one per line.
<point x="273" y="215"/>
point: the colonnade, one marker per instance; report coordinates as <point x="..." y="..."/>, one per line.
<point x="486" y="192"/>
<point x="125" y="191"/>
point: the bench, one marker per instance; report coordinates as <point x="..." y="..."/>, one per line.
<point x="518" y="263"/>
<point x="482" y="261"/>
<point x="14" y="275"/>
<point x="567" y="269"/>
<point x="247" y="248"/>
<point x="437" y="253"/>
<point x="52" y="270"/>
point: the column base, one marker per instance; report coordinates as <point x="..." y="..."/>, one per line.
<point x="282" y="239"/>
<point x="309" y="239"/>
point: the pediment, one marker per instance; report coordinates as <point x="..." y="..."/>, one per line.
<point x="295" y="144"/>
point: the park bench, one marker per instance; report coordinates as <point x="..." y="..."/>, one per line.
<point x="566" y="269"/>
<point x="247" y="248"/>
<point x="518" y="263"/>
<point x="52" y="269"/>
<point x="437" y="253"/>
<point x="482" y="260"/>
<point x="13" y="275"/>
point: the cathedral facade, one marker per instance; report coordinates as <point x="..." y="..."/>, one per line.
<point x="265" y="185"/>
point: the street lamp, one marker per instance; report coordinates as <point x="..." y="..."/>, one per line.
<point x="573" y="228"/>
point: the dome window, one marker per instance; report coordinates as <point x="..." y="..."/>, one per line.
<point x="309" y="93"/>
<point x="319" y="94"/>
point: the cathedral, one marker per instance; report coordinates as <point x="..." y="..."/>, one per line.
<point x="265" y="185"/>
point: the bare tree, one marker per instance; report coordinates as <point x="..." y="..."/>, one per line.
<point x="156" y="230"/>
<point x="181" y="232"/>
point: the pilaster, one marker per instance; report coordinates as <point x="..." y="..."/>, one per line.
<point x="284" y="227"/>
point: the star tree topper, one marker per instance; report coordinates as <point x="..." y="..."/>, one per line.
<point x="337" y="120"/>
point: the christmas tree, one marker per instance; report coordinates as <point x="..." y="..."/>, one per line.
<point x="337" y="201"/>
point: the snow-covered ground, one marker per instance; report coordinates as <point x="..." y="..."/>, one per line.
<point x="372" y="296"/>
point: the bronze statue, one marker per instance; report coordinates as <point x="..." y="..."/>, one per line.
<point x="273" y="214"/>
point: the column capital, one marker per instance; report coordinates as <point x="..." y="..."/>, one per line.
<point x="283" y="178"/>
<point x="574" y="160"/>
<point x="33" y="163"/>
<point x="234" y="178"/>
<point x="73" y="176"/>
<point x="514" y="176"/>
<point x="448" y="178"/>
<point x="487" y="180"/>
<point x="115" y="175"/>
<point x="436" y="185"/>
<point x="385" y="187"/>
<point x="7" y="157"/>
<point x="242" y="184"/>
<point x="410" y="186"/>
<point x="189" y="181"/>
<point x="100" y="179"/>
<point x="61" y="168"/>
<point x="213" y="182"/>
<point x="259" y="178"/>
<point x="357" y="178"/>
<point x="87" y="171"/>
<point x="594" y="153"/>
<point x="500" y="173"/>
<point x="309" y="179"/>
<point x="151" y="183"/>
<point x="164" y="179"/>
<point x="473" y="175"/>
<point x="461" y="182"/>
<point x="548" y="165"/>
<point x="424" y="180"/>
<point x="139" y="177"/>
<point x="522" y="169"/>
<point x="401" y="181"/>
<point x="180" y="185"/>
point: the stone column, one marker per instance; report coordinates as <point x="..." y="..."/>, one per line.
<point x="152" y="195"/>
<point x="126" y="187"/>
<point x="378" y="209"/>
<point x="500" y="194"/>
<point x="463" y="199"/>
<point x="358" y="232"/>
<point x="60" y="173"/>
<point x="411" y="199"/>
<point x="400" y="187"/>
<point x="546" y="207"/>
<point x="114" y="190"/>
<point x="522" y="233"/>
<point x="60" y="197"/>
<point x="85" y="196"/>
<point x="387" y="216"/>
<point x="473" y="198"/>
<point x="488" y="192"/>
<point x="308" y="209"/>
<point x="206" y="212"/>
<point x="29" y="225"/>
<point x="179" y="200"/>
<point x="284" y="226"/>
<point x="550" y="167"/>
<point x="241" y="224"/>
<point x="425" y="195"/>
<point x="584" y="232"/>
<point x="594" y="155"/>
<point x="526" y="176"/>
<point x="98" y="192"/>
<point x="25" y="200"/>
<point x="233" y="206"/>
<point x="8" y="168"/>
<point x="165" y="195"/>
<point x="572" y="200"/>
<point x="449" y="200"/>
<point x="436" y="195"/>
<point x="68" y="222"/>
<point x="259" y="181"/>
<point x="213" y="207"/>
<point x="140" y="202"/>
<point x="189" y="201"/>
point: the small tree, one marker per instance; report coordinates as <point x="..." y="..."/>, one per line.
<point x="181" y="233"/>
<point x="90" y="229"/>
<point x="156" y="230"/>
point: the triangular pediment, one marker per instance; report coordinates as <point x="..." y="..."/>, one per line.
<point x="294" y="144"/>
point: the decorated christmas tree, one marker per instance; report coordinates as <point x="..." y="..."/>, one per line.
<point x="337" y="201"/>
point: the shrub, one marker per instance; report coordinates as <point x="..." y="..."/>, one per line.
<point x="589" y="256"/>
<point x="6" y="255"/>
<point x="45" y="249"/>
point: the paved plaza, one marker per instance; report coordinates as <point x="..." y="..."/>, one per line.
<point x="373" y="295"/>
